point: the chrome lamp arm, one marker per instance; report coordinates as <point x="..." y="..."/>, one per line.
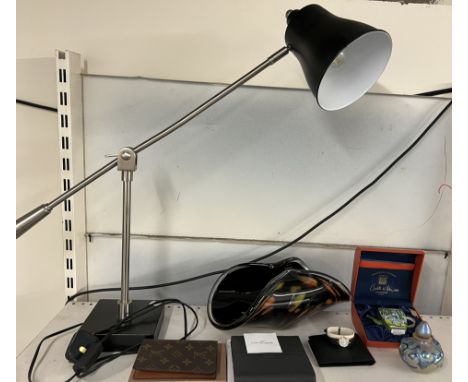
<point x="30" y="219"/>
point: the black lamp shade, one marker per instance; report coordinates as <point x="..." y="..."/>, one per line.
<point x="341" y="58"/>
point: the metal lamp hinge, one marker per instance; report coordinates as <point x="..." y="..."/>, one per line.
<point x="126" y="159"/>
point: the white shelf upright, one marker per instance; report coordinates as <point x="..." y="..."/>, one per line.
<point x="70" y="126"/>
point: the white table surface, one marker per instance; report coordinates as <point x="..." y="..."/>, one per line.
<point x="52" y="366"/>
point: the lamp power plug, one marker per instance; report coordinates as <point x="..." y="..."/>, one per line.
<point x="83" y="351"/>
<point x="80" y="344"/>
<point x="89" y="357"/>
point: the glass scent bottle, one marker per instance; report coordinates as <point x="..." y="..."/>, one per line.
<point x="422" y="352"/>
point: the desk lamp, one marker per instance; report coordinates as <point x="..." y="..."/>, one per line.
<point x="341" y="60"/>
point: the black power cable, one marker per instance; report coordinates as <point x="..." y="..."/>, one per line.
<point x="436" y="92"/>
<point x="38" y="348"/>
<point x="36" y="105"/>
<point x="297" y="239"/>
<point x="144" y="287"/>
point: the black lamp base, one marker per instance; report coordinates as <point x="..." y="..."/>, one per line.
<point x="106" y="313"/>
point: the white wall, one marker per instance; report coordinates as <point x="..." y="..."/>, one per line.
<point x="215" y="41"/>
<point x="206" y="40"/>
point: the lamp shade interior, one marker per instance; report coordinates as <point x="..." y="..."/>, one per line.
<point x="341" y="58"/>
<point x="354" y="70"/>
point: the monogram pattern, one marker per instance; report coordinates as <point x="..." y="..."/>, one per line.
<point x="198" y="357"/>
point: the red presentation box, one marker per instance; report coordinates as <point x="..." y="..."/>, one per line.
<point x="384" y="277"/>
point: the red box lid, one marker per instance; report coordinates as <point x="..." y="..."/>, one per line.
<point x="384" y="276"/>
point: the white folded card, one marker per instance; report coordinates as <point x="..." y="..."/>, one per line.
<point x="262" y="343"/>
